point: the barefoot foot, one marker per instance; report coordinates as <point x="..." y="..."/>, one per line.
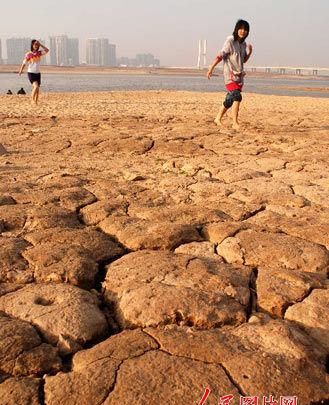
<point x="218" y="122"/>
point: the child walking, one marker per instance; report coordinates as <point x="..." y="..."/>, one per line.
<point x="234" y="54"/>
<point x="33" y="58"/>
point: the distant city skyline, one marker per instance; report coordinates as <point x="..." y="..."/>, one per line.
<point x="64" y="51"/>
<point x="283" y="32"/>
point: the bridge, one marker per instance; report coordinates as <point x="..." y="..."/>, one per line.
<point x="286" y="69"/>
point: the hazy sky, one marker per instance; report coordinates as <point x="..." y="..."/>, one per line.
<point x="283" y="32"/>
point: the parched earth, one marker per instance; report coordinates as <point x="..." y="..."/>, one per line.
<point x="150" y="257"/>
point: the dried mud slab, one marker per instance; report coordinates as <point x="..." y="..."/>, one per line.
<point x="97" y="212"/>
<point x="13" y="217"/>
<point x="137" y="234"/>
<point x="218" y="232"/>
<point x="279" y="288"/>
<point x="22" y="352"/>
<point x="135" y="145"/>
<point x="51" y="216"/>
<point x="56" y="262"/>
<point x="158" y="378"/>
<point x="260" y="357"/>
<point x="254" y="248"/>
<point x="99" y="245"/>
<point x="6" y="288"/>
<point x="20" y="391"/>
<point x="94" y="371"/>
<point x="71" y="198"/>
<point x="127" y="368"/>
<point x="312" y="315"/>
<point x="301" y="223"/>
<point x="186" y="214"/>
<point x="14" y="268"/>
<point x="203" y="249"/>
<point x="157" y="288"/>
<point x="315" y="193"/>
<point x="64" y="315"/>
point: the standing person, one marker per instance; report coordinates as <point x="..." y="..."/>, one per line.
<point x="234" y="54"/>
<point x="33" y="58"/>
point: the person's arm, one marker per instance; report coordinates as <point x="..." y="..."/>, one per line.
<point x="22" y="67"/>
<point x="45" y="49"/>
<point x="249" y="52"/>
<point x="218" y="59"/>
<point x="226" y="50"/>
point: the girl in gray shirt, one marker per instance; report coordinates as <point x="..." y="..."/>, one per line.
<point x="234" y="54"/>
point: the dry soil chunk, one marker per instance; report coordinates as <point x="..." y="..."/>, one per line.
<point x="277" y="289"/>
<point x="55" y="262"/>
<point x="94" y="370"/>
<point x="139" y="234"/>
<point x="20" y="391"/>
<point x="271" y="357"/>
<point x="261" y="248"/>
<point x="156" y="288"/>
<point x="65" y="315"/>
<point x="158" y="378"/>
<point x="21" y="350"/>
<point x="313" y="316"/>
<point x="100" y="246"/>
<point x="13" y="267"/>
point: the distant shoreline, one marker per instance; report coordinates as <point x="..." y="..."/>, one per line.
<point x="97" y="70"/>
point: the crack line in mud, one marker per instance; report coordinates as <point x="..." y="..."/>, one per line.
<point x="252" y="307"/>
<point x="254" y="213"/>
<point x="236" y="385"/>
<point x="41" y="391"/>
<point x="112" y="388"/>
<point x="303" y="298"/>
<point x="69" y="144"/>
<point x="150" y="147"/>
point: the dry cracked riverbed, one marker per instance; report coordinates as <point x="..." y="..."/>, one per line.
<point x="146" y="255"/>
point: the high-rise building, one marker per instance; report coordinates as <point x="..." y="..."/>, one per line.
<point x="52" y="51"/>
<point x="146" y="60"/>
<point x="141" y="60"/>
<point x="92" y="51"/>
<point x="73" y="52"/>
<point x="1" y="61"/>
<point x="112" y="55"/>
<point x="100" y="52"/>
<point x="64" y="51"/>
<point x="16" y="49"/>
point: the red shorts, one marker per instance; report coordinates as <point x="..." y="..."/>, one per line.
<point x="233" y="86"/>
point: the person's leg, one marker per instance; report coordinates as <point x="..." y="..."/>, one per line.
<point x="38" y="89"/>
<point x="220" y="115"/>
<point x="35" y="88"/>
<point x="235" y="112"/>
<point x="226" y="105"/>
<point x="37" y="92"/>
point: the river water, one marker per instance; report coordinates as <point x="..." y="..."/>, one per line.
<point x="299" y="86"/>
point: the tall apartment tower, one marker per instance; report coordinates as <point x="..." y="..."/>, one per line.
<point x="52" y="51"/>
<point x="112" y="55"/>
<point x="92" y="52"/>
<point x="146" y="60"/>
<point x="64" y="51"/>
<point x="73" y="52"/>
<point x="16" y="49"/>
<point x="100" y="52"/>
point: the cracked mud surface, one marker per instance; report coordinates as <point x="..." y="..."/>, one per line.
<point x="146" y="255"/>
